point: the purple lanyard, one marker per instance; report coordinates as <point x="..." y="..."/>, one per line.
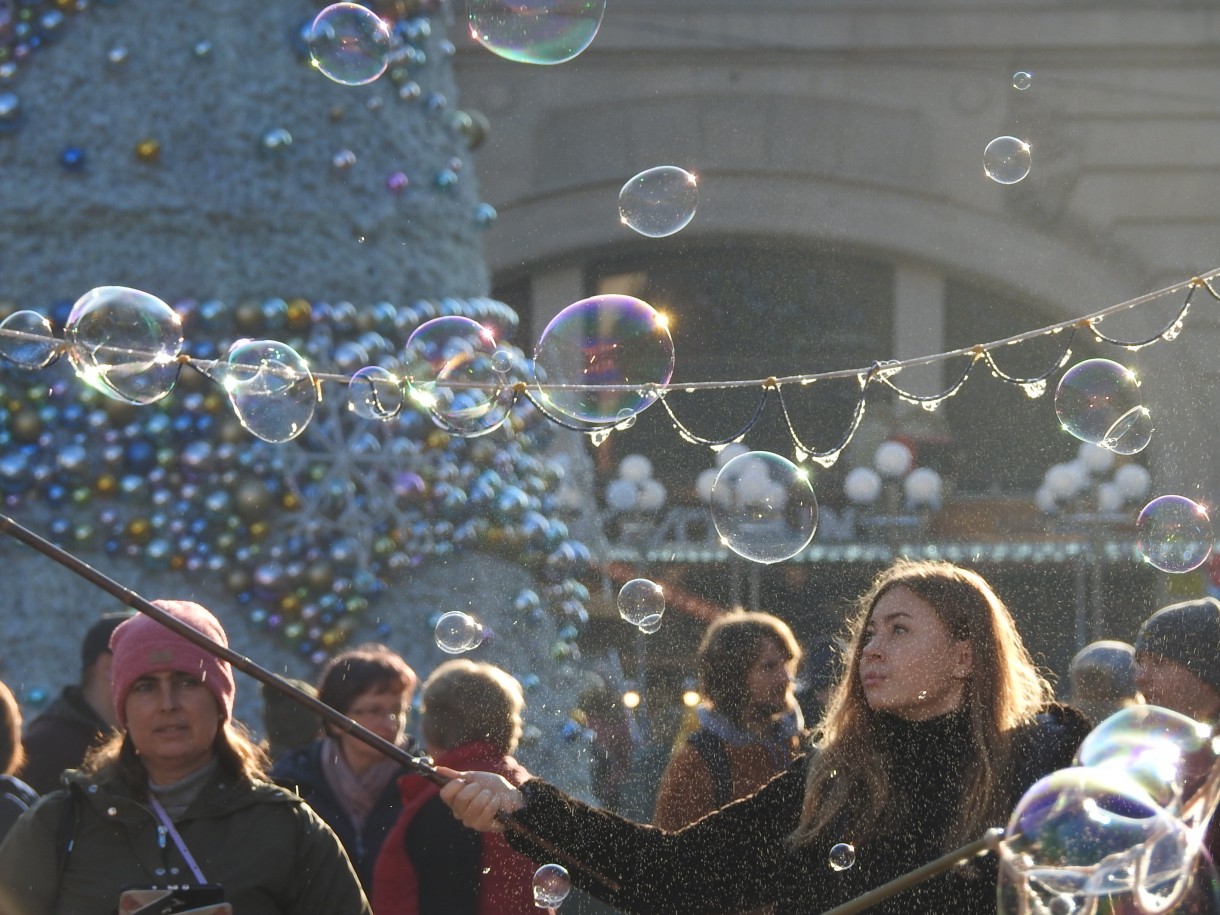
<point x="167" y="825"/>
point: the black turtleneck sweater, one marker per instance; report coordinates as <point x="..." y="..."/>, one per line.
<point x="739" y="858"/>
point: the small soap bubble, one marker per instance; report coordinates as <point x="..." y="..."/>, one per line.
<point x="551" y="886"/>
<point x="763" y="507"/>
<point x="650" y="624"/>
<point x="659" y="201"/>
<point x="1063" y="904"/>
<point x="374" y="393"/>
<point x="842" y="856"/>
<point x="1022" y="80"/>
<point x="451" y="372"/>
<point x="541" y="32"/>
<point x="639" y="599"/>
<point x="271" y="389"/>
<point x="349" y="43"/>
<point x="27" y="340"/>
<point x="612" y="340"/>
<point x="458" y="632"/>
<point x="1174" y="534"/>
<point x="124" y="343"/>
<point x="1098" y="401"/>
<point x="1007" y="160"/>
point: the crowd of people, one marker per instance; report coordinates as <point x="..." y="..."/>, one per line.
<point x="926" y="725"/>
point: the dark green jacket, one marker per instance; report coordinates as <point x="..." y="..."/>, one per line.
<point x="272" y="854"/>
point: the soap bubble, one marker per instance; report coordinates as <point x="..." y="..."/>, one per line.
<point x="842" y="856"/>
<point x="613" y="340"/>
<point x="1007" y="160"/>
<point x="124" y="343"/>
<point x="763" y="507"/>
<point x="1022" y="80"/>
<point x="271" y="389"/>
<point x="535" y="31"/>
<point x="349" y="43"/>
<point x="1167" y="753"/>
<point x="452" y="367"/>
<point x="551" y="886"/>
<point x="650" y="624"/>
<point x="639" y="599"/>
<point x="27" y="340"/>
<point x="458" y="632"/>
<point x="374" y="393"/>
<point x="1174" y="534"/>
<point x="1098" y="401"/>
<point x="659" y="201"/>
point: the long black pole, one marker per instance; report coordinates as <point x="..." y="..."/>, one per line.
<point x="417" y="765"/>
<point x="989" y="842"/>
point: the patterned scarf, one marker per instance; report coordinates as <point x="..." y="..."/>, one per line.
<point x="356" y="793"/>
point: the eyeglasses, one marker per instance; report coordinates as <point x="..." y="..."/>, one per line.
<point x="375" y="714"/>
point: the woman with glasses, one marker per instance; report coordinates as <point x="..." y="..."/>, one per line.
<point x="348" y="783"/>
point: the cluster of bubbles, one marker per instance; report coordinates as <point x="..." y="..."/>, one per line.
<point x="542" y="32"/>
<point x="552" y="884"/>
<point x="1098" y="401"/>
<point x="642" y="603"/>
<point x="1122" y="829"/>
<point x="178" y="483"/>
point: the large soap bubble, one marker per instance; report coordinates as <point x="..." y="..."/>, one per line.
<point x="349" y="43"/>
<point x="271" y="389"/>
<point x="124" y="343"/>
<point x="659" y="201"/>
<point x="1174" y="534"/>
<point x="613" y="340"/>
<point x="1098" y="401"/>
<point x="764" y="507"/>
<point x="535" y="31"/>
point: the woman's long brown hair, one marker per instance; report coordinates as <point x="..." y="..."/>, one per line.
<point x="239" y="755"/>
<point x="1005" y="690"/>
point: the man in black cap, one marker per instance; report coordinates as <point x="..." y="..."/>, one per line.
<point x="81" y="715"/>
<point x="1177" y="659"/>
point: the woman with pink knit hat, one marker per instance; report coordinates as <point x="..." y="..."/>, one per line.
<point x="178" y="798"/>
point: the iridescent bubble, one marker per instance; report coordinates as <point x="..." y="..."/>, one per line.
<point x="659" y="201"/>
<point x="27" y="340"/>
<point x="124" y="343"/>
<point x="271" y="389"/>
<point x="451" y="372"/>
<point x="612" y="340"/>
<point x="551" y="886"/>
<point x="458" y="632"/>
<point x="535" y="31"/>
<point x="1098" y="401"/>
<point x="349" y="43"/>
<point x="374" y="393"/>
<point x="1082" y="830"/>
<point x="764" y="507"/>
<point x="1022" y="80"/>
<point x="1007" y="160"/>
<point x="1174" y="534"/>
<point x="639" y="599"/>
<point x="842" y="856"/>
<point x="1167" y="753"/>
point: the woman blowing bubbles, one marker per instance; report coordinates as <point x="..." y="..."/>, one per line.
<point x="939" y="724"/>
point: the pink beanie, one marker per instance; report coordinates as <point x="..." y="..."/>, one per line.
<point x="142" y="646"/>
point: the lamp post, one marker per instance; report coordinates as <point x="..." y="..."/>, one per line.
<point x="902" y="494"/>
<point x="1091" y="496"/>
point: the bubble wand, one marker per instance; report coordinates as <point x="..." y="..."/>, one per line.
<point x="418" y="765"/>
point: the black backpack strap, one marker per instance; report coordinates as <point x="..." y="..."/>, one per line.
<point x="714" y="755"/>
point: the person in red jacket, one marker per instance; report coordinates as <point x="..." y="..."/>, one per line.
<point x="430" y="864"/>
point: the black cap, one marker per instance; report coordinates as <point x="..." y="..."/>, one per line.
<point x="97" y="640"/>
<point x="1188" y="633"/>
